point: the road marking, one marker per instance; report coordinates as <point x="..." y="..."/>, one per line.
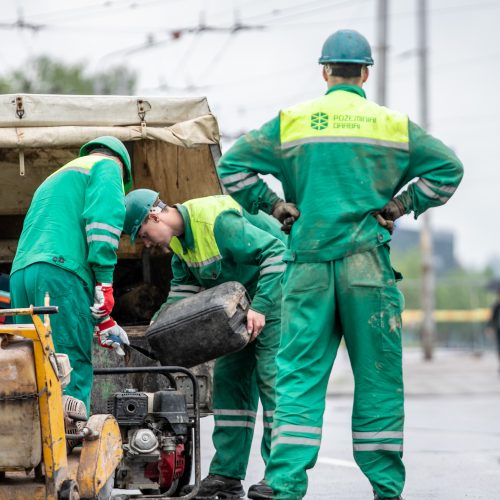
<point x="336" y="462"/>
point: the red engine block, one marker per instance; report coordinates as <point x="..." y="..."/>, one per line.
<point x="168" y="469"/>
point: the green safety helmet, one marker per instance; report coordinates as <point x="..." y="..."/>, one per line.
<point x="346" y="46"/>
<point x="138" y="203"/>
<point x="117" y="147"/>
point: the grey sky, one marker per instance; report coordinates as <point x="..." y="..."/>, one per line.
<point x="249" y="75"/>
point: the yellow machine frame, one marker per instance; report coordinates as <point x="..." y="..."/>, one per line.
<point x="91" y="472"/>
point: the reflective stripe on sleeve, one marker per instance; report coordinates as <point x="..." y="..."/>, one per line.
<point x="244" y="183"/>
<point x="358" y="140"/>
<point x="423" y="186"/>
<point x="105" y="227"/>
<point x="236" y="177"/>
<point x="378" y="435"/>
<point x="443" y="187"/>
<point x="106" y="239"/>
<point x="272" y="260"/>
<point x="268" y="425"/>
<point x="273" y="269"/>
<point x="268" y="413"/>
<point x="377" y="446"/>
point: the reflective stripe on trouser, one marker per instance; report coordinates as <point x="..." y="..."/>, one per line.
<point x="72" y="326"/>
<point x="239" y="380"/>
<point x="355" y="297"/>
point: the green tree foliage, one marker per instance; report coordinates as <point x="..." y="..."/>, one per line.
<point x="409" y="264"/>
<point x="43" y="75"/>
<point x="460" y="288"/>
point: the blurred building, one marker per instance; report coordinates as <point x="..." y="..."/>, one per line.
<point x="404" y="240"/>
<point x="494" y="265"/>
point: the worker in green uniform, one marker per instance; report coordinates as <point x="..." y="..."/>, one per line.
<point x="67" y="249"/>
<point x="342" y="160"/>
<point x="214" y="241"/>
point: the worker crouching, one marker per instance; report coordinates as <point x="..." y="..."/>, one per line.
<point x="215" y="241"/>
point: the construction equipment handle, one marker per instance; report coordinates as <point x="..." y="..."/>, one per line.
<point x="28" y="311"/>
<point x="46" y="310"/>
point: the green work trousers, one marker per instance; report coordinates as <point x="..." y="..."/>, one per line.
<point x="240" y="379"/>
<point x="355" y="297"/>
<point x="72" y="326"/>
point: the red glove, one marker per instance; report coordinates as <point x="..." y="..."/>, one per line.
<point x="111" y="335"/>
<point x="103" y="300"/>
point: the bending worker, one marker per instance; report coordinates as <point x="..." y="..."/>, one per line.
<point x="341" y="160"/>
<point x="215" y="241"/>
<point x="68" y="248"/>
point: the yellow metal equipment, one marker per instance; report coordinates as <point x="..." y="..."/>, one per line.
<point x="56" y="476"/>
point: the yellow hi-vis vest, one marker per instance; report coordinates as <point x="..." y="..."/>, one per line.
<point x="343" y="117"/>
<point x="82" y="164"/>
<point x="203" y="213"/>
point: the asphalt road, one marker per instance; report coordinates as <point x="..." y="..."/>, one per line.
<point x="452" y="450"/>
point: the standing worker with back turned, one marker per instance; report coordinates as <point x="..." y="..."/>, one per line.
<point x="68" y="248"/>
<point x="341" y="160"/>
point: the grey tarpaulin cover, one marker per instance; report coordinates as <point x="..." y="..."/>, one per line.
<point x="30" y="120"/>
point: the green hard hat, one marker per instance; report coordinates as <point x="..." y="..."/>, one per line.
<point x="117" y="147"/>
<point x="346" y="46"/>
<point x="137" y="203"/>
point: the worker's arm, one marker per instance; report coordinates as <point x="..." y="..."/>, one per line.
<point x="182" y="285"/>
<point x="437" y="168"/>
<point x="256" y="152"/>
<point x="242" y="242"/>
<point x="104" y="213"/>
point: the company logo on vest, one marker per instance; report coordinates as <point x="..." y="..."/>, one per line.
<point x="319" y="121"/>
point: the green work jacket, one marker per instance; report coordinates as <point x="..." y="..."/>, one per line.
<point x="222" y="242"/>
<point x="340" y="158"/>
<point x="75" y="220"/>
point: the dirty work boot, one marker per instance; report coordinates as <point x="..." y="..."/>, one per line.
<point x="260" y="491"/>
<point x="220" y="487"/>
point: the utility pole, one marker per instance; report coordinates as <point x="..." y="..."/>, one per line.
<point x="428" y="325"/>
<point x="382" y="23"/>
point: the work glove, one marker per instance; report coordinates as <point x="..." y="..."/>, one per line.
<point x="111" y="335"/>
<point x="286" y="213"/>
<point x="393" y="210"/>
<point x="103" y="300"/>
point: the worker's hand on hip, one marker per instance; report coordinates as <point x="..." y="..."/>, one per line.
<point x="104" y="300"/>
<point x="255" y="323"/>
<point x="111" y="335"/>
<point x="286" y="213"/>
<point x="392" y="211"/>
<point x="388" y="224"/>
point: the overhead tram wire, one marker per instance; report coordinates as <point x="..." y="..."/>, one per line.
<point x="175" y="34"/>
<point x="279" y="14"/>
<point x="108" y="6"/>
<point x="437" y="11"/>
